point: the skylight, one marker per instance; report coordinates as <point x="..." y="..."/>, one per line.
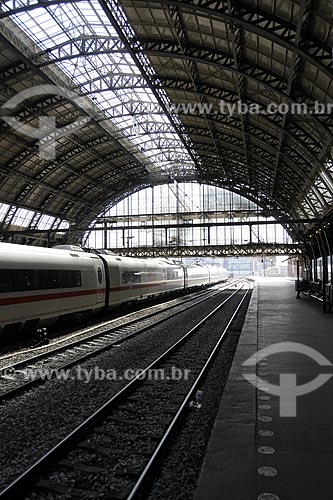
<point x="112" y="80"/>
<point x="22" y="218"/>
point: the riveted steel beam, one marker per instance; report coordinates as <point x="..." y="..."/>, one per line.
<point x="275" y="83"/>
<point x="183" y="42"/>
<point x="295" y="67"/>
<point x="125" y="33"/>
<point x="255" y="20"/>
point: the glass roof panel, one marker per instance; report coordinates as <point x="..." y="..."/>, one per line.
<point x="22" y="217"/>
<point x="328" y="180"/>
<point x="3" y="210"/>
<point x="46" y="222"/>
<point x="70" y="24"/>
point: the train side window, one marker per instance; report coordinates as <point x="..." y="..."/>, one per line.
<point x="124" y="277"/>
<point x="136" y="278"/>
<point x="100" y="276"/>
<point x="17" y="280"/>
<point x="24" y="280"/>
<point x="6" y="281"/>
<point x="172" y="275"/>
<point x="70" y="279"/>
<point x="78" y="278"/>
<point x="130" y="277"/>
<point x="52" y="279"/>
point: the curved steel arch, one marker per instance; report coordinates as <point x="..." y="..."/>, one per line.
<point x="219" y="134"/>
<point x="263" y="117"/>
<point x="263" y="161"/>
<point x="247" y="144"/>
<point x="251" y="18"/>
<point x="222" y="184"/>
<point x="215" y="119"/>
<point x="54" y="101"/>
<point x="247" y="17"/>
<point x="250" y="70"/>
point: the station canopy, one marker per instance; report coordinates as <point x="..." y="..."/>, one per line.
<point x="102" y="98"/>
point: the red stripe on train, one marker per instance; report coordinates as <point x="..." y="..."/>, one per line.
<point x="48" y="296"/>
<point x="142" y="285"/>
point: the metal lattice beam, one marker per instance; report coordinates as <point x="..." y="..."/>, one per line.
<point x="183" y="42"/>
<point x="213" y="251"/>
<point x="124" y="31"/>
<point x="273" y="82"/>
<point x="262" y="23"/>
<point x="296" y="63"/>
<point x="254" y="20"/>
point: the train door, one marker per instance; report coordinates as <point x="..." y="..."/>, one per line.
<point x="100" y="279"/>
<point x="210" y="275"/>
<point x="185" y="277"/>
<point x="115" y="281"/>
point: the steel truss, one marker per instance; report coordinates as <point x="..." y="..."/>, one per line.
<point x="275" y="160"/>
<point x="212" y="251"/>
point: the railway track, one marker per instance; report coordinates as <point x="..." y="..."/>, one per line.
<point x="112" y="453"/>
<point x="23" y="373"/>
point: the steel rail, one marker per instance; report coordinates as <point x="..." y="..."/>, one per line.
<point x="144" y="475"/>
<point x="27" y="479"/>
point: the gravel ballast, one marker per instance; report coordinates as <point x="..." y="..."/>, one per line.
<point x="182" y="462"/>
<point x="34" y="422"/>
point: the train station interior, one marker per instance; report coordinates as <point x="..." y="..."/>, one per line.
<point x="156" y="153"/>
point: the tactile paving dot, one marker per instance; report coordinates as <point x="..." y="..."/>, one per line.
<point x="265" y="433"/>
<point x="264" y="407"/>
<point x="264" y="418"/>
<point x="268" y="496"/>
<point x="267" y="471"/>
<point x="266" y="450"/>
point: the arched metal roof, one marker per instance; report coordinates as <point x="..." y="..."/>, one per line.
<point x="158" y="81"/>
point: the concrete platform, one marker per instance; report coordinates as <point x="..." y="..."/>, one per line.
<point x="255" y="452"/>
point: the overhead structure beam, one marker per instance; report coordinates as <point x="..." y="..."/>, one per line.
<point x="108" y="225"/>
<point x="237" y="50"/>
<point x="125" y="33"/>
<point x="172" y="52"/>
<point x="253" y="19"/>
<point x="187" y="225"/>
<point x="273" y="82"/>
<point x="213" y="251"/>
<point x="183" y="41"/>
<point x="296" y="63"/>
<point x="181" y="85"/>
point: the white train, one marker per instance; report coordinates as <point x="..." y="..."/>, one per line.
<point x="40" y="285"/>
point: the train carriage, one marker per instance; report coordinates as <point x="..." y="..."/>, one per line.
<point x="197" y="275"/>
<point x="132" y="279"/>
<point x="39" y="285"/>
